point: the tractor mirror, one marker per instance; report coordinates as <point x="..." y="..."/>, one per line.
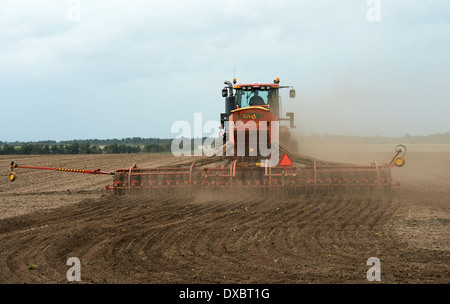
<point x="292" y="93"/>
<point x="224" y="92"/>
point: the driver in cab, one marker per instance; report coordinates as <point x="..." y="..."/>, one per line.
<point x="256" y="100"/>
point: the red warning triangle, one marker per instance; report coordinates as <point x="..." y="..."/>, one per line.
<point x="285" y="161"/>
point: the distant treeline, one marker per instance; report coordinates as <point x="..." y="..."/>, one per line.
<point x="89" y="146"/>
<point x="135" y="141"/>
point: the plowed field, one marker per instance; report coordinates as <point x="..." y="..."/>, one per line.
<point x="47" y="217"/>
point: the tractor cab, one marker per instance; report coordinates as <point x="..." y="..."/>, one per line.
<point x="256" y="94"/>
<point x="257" y="106"/>
<point x="248" y="95"/>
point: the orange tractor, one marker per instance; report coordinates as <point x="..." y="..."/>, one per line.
<point x="253" y="153"/>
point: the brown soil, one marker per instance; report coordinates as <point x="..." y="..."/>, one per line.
<point x="47" y="217"/>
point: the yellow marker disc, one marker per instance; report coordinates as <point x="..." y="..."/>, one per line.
<point x="12" y="176"/>
<point x="399" y="161"/>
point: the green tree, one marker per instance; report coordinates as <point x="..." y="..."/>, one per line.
<point x="111" y="149"/>
<point x="8" y="150"/>
<point x="25" y="149"/>
<point x="73" y="148"/>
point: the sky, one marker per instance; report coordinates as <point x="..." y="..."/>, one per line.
<point x="102" y="69"/>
